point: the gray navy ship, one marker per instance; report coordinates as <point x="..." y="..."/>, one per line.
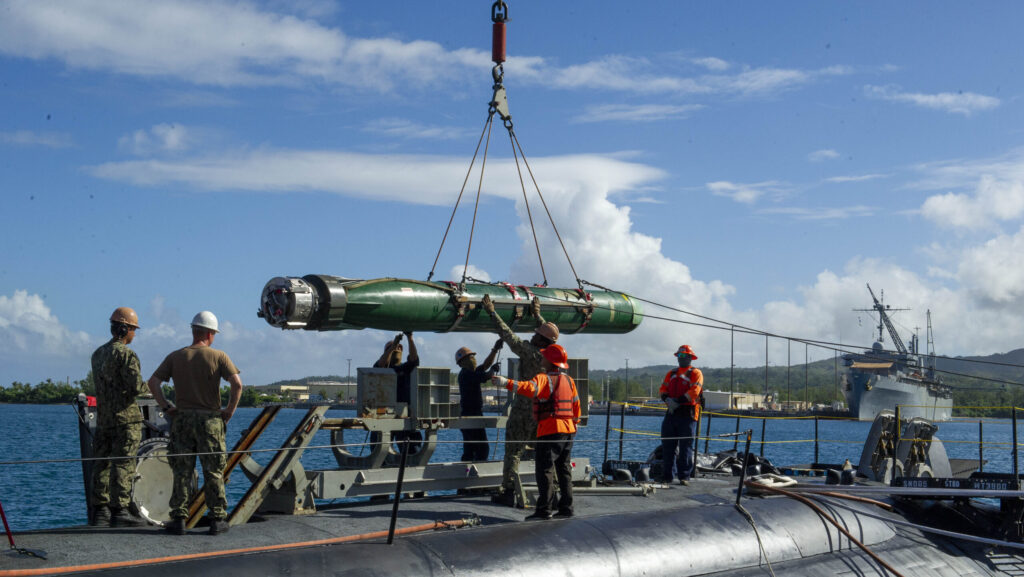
<point x="881" y="378"/>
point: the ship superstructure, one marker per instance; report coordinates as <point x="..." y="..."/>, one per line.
<point x="881" y="378"/>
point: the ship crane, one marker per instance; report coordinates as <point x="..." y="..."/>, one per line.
<point x="884" y="322"/>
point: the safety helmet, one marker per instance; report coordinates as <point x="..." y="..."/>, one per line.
<point x="205" y="320"/>
<point x="125" y="316"/>
<point x="555" y="354"/>
<point x="686" y="350"/>
<point x="548" y="331"/>
<point x="462" y="353"/>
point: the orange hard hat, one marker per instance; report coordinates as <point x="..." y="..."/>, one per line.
<point x="125" y="316"/>
<point x="462" y="353"/>
<point x="548" y="331"/>
<point x="686" y="350"/>
<point x="555" y="354"/>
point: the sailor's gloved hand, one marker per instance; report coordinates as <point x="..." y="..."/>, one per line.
<point x="487" y="304"/>
<point x="664" y="396"/>
<point x="535" y="307"/>
<point x="498" y="344"/>
<point x="397" y="339"/>
<point x="408" y="334"/>
<point x="499" y="380"/>
<point x="672" y="404"/>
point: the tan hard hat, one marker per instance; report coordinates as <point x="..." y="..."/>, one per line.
<point x="125" y="316"/>
<point x="549" y="331"/>
<point x="462" y="353"/>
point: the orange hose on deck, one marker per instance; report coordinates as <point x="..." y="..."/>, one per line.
<point x="229" y="552"/>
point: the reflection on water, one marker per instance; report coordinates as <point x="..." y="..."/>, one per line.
<point x="37" y="496"/>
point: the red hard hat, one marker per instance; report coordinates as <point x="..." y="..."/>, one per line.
<point x="686" y="350"/>
<point x="555" y="354"/>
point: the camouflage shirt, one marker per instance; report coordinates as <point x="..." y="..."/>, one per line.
<point x="531" y="363"/>
<point x="118" y="379"/>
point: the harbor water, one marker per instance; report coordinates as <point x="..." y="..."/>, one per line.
<point x="49" y="495"/>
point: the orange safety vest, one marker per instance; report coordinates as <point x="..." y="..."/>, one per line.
<point x="559" y="410"/>
<point x="558" y="405"/>
<point x="679" y="381"/>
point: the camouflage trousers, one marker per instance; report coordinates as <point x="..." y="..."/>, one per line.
<point x="112" y="479"/>
<point x="520" y="430"/>
<point x="198" y="432"/>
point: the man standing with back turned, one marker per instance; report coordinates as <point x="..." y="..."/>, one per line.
<point x="681" y="392"/>
<point x="198" y="422"/>
<point x="118" y="378"/>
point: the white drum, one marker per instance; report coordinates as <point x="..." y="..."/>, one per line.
<point x="151" y="491"/>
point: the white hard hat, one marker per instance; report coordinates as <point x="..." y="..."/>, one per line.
<point x="205" y="320"/>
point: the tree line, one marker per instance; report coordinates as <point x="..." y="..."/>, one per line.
<point x="50" y="392"/>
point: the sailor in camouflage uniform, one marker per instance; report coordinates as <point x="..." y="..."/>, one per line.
<point x="521" y="428"/>
<point x="118" y="379"/>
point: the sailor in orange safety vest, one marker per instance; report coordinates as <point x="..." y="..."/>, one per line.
<point x="681" y="392"/>
<point x="556" y="408"/>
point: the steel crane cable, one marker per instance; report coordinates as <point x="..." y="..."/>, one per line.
<point x="485" y="131"/>
<point x="522" y="185"/>
<point x="476" y="205"/>
<point x="515" y="139"/>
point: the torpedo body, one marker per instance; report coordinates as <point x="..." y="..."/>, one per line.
<point x="331" y="303"/>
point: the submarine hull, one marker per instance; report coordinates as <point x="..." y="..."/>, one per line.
<point x="332" y="303"/>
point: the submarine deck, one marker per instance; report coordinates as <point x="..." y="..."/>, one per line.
<point x="674" y="530"/>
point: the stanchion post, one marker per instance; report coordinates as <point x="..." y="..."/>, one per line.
<point x="398" y="491"/>
<point x="707" y="438"/>
<point x="622" y="427"/>
<point x="694" y="447"/>
<point x="763" y="422"/>
<point x="736" y="439"/>
<point x="981" y="446"/>
<point x="746" y="463"/>
<point x="815" y="439"/>
<point x="1016" y="475"/>
<point x="607" y="428"/>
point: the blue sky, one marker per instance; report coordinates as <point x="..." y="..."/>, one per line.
<point x="757" y="163"/>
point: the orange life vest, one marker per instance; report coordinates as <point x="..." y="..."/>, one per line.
<point x="679" y="381"/>
<point x="560" y="400"/>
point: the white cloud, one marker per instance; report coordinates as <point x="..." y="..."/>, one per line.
<point x="966" y="103"/>
<point x="823" y="154"/>
<point x="823" y="213"/>
<point x="991" y="201"/>
<point x="711" y="63"/>
<point x="417" y="179"/>
<point x="743" y="193"/>
<point x="221" y="43"/>
<point x="160" y="138"/>
<point x="993" y="272"/>
<point x="636" y="112"/>
<point x="857" y="178"/>
<point x="33" y="335"/>
<point x="29" y="138"/>
<point x="403" y="128"/>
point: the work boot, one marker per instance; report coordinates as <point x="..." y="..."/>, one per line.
<point x="539" y="516"/>
<point x="101" y="516"/>
<point x="684" y="482"/>
<point x="218" y="526"/>
<point x="124" y="518"/>
<point x="175" y="527"/>
<point x="564" y="514"/>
